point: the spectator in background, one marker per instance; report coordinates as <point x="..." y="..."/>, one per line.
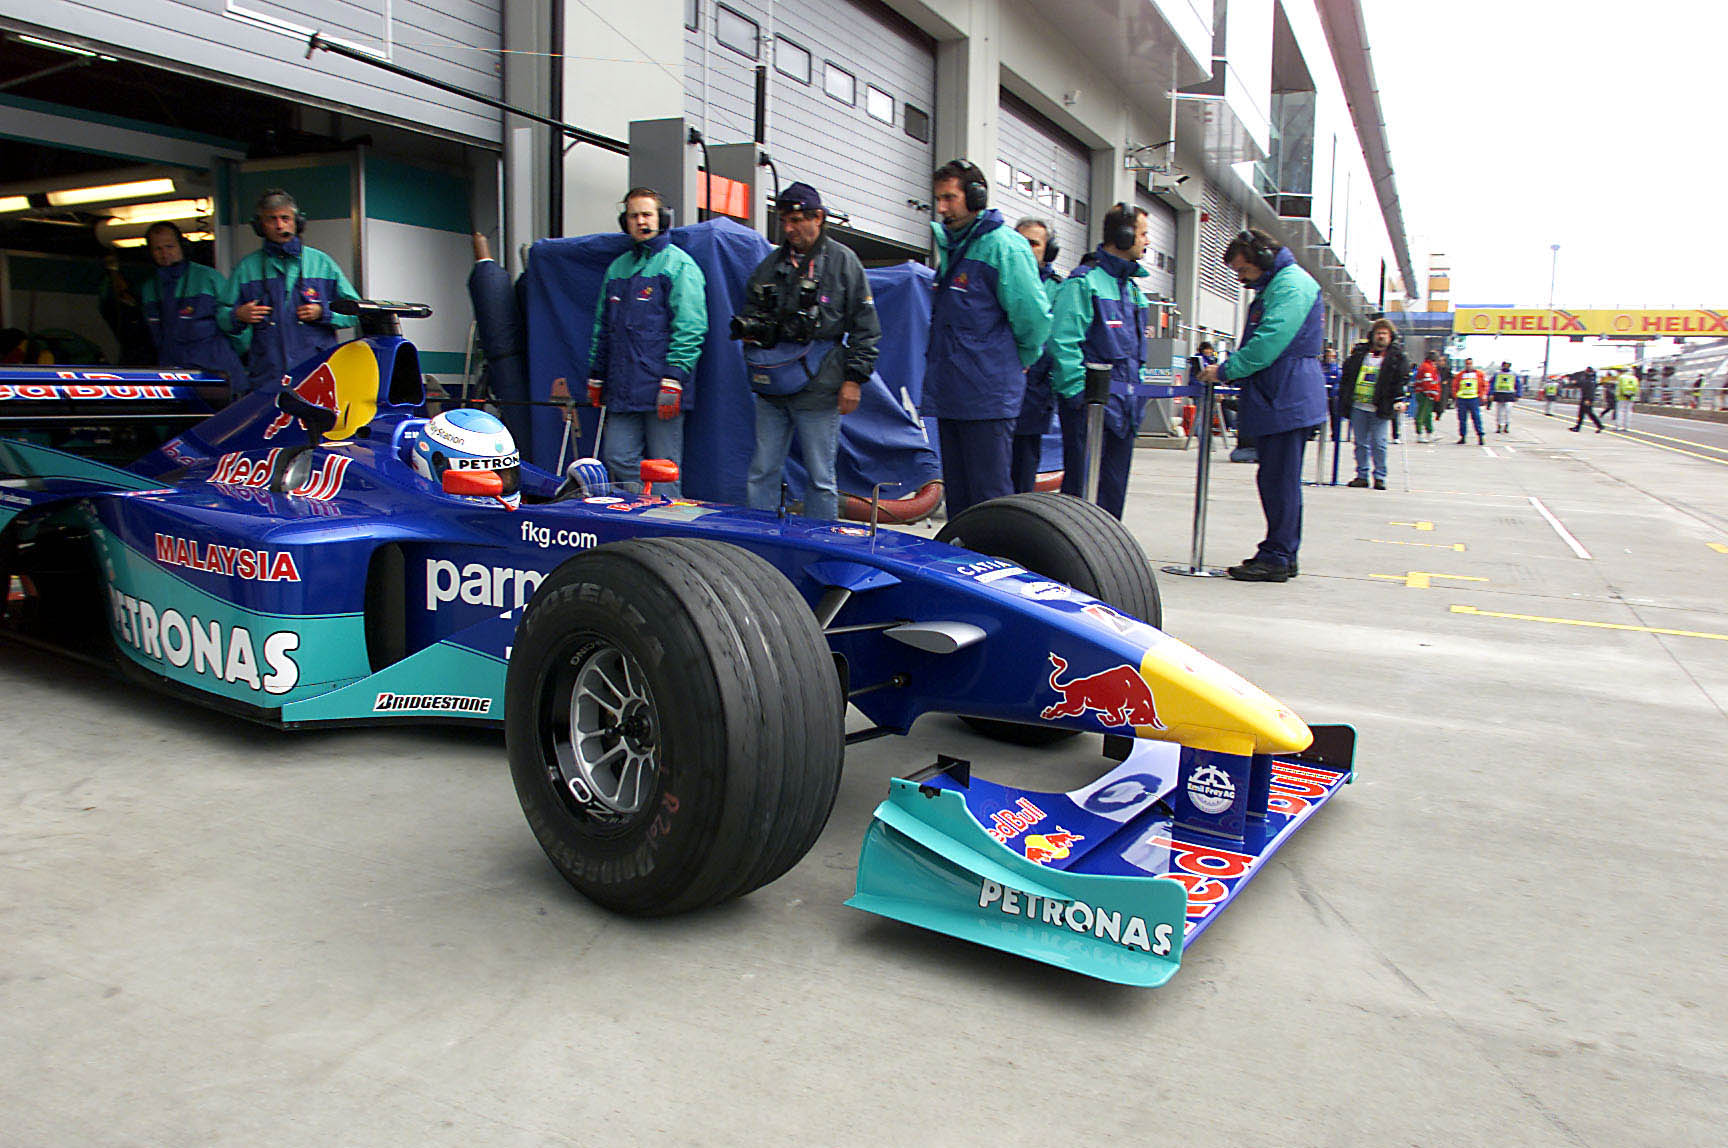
<point x="277" y="305"/>
<point x="648" y="332"/>
<point x="1371" y="387"/>
<point x="1587" y="398"/>
<point x="1100" y="317"/>
<point x="814" y="374"/>
<point x="183" y="307"/>
<point x="1628" y="394"/>
<point x="1504" y="388"/>
<point x="120" y="309"/>
<point x="1283" y="391"/>
<point x="989" y="319"/>
<point x="1038" y="405"/>
<point x="1427" y="397"/>
<point x="1468" y="388"/>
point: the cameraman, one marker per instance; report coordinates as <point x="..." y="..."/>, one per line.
<point x="810" y="330"/>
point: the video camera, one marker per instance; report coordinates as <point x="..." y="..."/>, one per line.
<point x="772" y="316"/>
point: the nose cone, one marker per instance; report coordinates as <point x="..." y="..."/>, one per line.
<point x="1206" y="706"/>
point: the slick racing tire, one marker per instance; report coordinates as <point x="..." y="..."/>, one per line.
<point x="1068" y="540"/>
<point x="674" y="722"/>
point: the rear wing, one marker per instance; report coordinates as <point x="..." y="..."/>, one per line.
<point x="111" y="415"/>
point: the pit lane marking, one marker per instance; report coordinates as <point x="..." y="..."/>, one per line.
<point x="1717" y="547"/>
<point x="1591" y="625"/>
<point x="1489" y="451"/>
<point x="1671" y="438"/>
<point x="1458" y="546"/>
<point x="1633" y="437"/>
<point x="1419" y="579"/>
<point x="1565" y="535"/>
<point x="1414" y="525"/>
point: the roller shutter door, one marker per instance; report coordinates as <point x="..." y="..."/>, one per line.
<point x="1041" y="170"/>
<point x="1160" y="258"/>
<point x="852" y="91"/>
<point x="261" y="45"/>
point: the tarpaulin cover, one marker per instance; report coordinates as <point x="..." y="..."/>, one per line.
<point x="880" y="442"/>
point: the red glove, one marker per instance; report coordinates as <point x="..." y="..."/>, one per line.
<point x="595" y="389"/>
<point x="671" y="398"/>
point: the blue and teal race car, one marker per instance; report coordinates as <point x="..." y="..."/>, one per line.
<point x="671" y="676"/>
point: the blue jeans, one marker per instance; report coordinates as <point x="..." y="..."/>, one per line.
<point x="632" y="436"/>
<point x="1469" y="409"/>
<point x="1369" y="431"/>
<point x="816" y="418"/>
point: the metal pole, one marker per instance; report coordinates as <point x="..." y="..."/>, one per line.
<point x="1097" y="395"/>
<point x="1196" y="567"/>
<point x="1548" y="340"/>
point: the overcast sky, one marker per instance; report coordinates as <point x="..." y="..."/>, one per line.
<point x="1518" y="124"/>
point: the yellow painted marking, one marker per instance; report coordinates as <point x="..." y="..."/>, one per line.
<point x="1418" y="579"/>
<point x="1414" y="525"/>
<point x="1717" y="547"/>
<point x="1592" y="625"/>
<point x="1675" y="449"/>
<point x="1672" y="438"/>
<point x="1458" y="546"/>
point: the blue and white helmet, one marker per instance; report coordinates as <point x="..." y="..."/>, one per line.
<point x="470" y="440"/>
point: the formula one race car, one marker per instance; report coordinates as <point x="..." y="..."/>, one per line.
<point x="672" y="676"/>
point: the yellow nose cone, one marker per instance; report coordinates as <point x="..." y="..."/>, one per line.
<point x="1203" y="705"/>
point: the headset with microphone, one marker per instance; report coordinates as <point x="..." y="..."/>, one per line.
<point x="1260" y="251"/>
<point x="972" y="184"/>
<point x="272" y="193"/>
<point x="665" y="216"/>
<point x="1120" y="227"/>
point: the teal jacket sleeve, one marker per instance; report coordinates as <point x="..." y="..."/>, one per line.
<point x="1073" y="314"/>
<point x="238" y="333"/>
<point x="329" y="268"/>
<point x="689" y="302"/>
<point x="1289" y="298"/>
<point x="1021" y="294"/>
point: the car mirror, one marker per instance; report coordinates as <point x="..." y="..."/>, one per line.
<point x="474" y="483"/>
<point x="657" y="470"/>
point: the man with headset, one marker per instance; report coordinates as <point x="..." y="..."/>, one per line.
<point x="1283" y="391"/>
<point x="277" y="305"/>
<point x="1101" y="318"/>
<point x="648" y="332"/>
<point x="1036" y="407"/>
<point x="988" y="322"/>
<point x="183" y="304"/>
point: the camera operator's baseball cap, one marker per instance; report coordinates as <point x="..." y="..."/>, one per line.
<point x="798" y="197"/>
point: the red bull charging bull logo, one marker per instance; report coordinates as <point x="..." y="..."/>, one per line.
<point x="1043" y="848"/>
<point x="345" y="384"/>
<point x="1119" y="695"/>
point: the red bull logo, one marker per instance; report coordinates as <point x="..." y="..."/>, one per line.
<point x="1119" y="695"/>
<point x="318" y="388"/>
<point x="1006" y="824"/>
<point x="345" y="384"/>
<point x="646" y="293"/>
<point x="1043" y="848"/>
<point x="236" y="469"/>
<point x="962" y="281"/>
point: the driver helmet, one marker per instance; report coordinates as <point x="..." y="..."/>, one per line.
<point x="469" y="440"/>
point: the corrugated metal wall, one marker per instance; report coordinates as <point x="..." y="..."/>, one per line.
<point x="1042" y="171"/>
<point x="1160" y="259"/>
<point x="262" y="44"/>
<point x="863" y="156"/>
<point x="1215" y="235"/>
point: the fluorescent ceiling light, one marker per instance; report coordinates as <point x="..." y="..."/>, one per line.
<point x="135" y="190"/>
<point x="135" y="241"/>
<point x="163" y="209"/>
<point x="14" y="203"/>
<point x="199" y="236"/>
<point x="67" y="48"/>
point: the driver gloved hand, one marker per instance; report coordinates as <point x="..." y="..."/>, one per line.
<point x="671" y="398"/>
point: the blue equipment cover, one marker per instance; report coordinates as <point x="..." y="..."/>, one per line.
<point x="880" y="442"/>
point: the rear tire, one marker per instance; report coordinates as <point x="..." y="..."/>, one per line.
<point x="674" y="722"/>
<point x="1068" y="540"/>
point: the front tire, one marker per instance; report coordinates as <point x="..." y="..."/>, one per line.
<point x="1068" y="540"/>
<point x="674" y="722"/>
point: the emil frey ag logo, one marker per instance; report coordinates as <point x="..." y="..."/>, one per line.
<point x="1119" y="694"/>
<point x="1210" y="789"/>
